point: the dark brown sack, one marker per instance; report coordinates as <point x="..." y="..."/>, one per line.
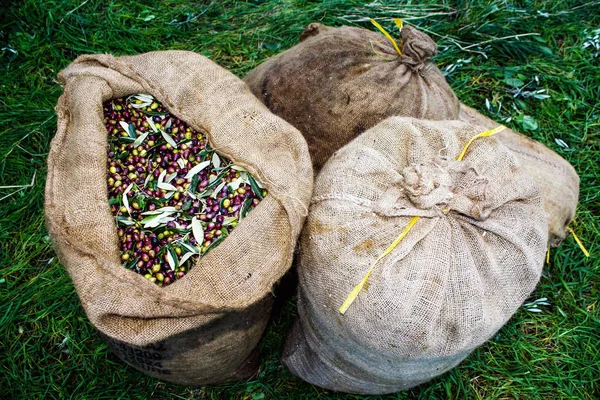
<point x="338" y="82"/>
<point x="203" y="328"/>
<point x="556" y="179"/>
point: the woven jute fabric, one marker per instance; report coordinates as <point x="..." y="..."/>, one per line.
<point x="465" y="267"/>
<point x="556" y="179"/>
<point x="338" y="82"/>
<point x="204" y="327"/>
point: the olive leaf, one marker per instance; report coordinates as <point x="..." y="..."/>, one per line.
<point x="195" y="170"/>
<point x="218" y="190"/>
<point x="140" y="139"/>
<point x="125" y="199"/>
<point x="186" y="256"/>
<point x="171" y="260"/>
<point x="169" y="139"/>
<point x="166" y="186"/>
<point x="151" y="123"/>
<point x="197" y="231"/>
<point x="255" y="187"/>
<point x="216" y="160"/>
<point x="125" y="221"/>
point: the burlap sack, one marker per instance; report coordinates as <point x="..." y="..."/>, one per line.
<point x="338" y="82"/>
<point x="464" y="268"/>
<point x="203" y="328"/>
<point x="556" y="179"/>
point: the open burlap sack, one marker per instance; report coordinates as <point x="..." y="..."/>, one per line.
<point x="338" y="82"/>
<point x="464" y="268"/>
<point x="556" y="179"/>
<point x="203" y="328"/>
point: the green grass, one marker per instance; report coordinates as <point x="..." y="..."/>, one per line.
<point x="48" y="349"/>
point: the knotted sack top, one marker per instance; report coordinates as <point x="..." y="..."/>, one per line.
<point x="243" y="268"/>
<point x="417" y="47"/>
<point x="338" y="82"/>
<point x="473" y="254"/>
<point x="434" y="188"/>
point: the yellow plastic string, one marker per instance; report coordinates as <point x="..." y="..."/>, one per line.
<point x="387" y="35"/>
<point x="354" y="293"/>
<point x="358" y="288"/>
<point x="548" y="256"/>
<point x="581" y="246"/>
<point x="482" y="134"/>
<point x="398" y="22"/>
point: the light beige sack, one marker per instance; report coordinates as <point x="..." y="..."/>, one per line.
<point x="338" y="82"/>
<point x="203" y="328"/>
<point x="556" y="179"/>
<point x="466" y="265"/>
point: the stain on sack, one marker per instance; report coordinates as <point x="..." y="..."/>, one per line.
<point x="366" y="246"/>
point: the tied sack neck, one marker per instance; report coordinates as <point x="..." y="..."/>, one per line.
<point x="437" y="188"/>
<point x="417" y="48"/>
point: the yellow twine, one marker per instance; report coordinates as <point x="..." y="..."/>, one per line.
<point x="358" y="288"/>
<point x="548" y="256"/>
<point x="354" y="293"/>
<point x="482" y="134"/>
<point x="398" y="22"/>
<point x="581" y="246"/>
<point x="387" y="35"/>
